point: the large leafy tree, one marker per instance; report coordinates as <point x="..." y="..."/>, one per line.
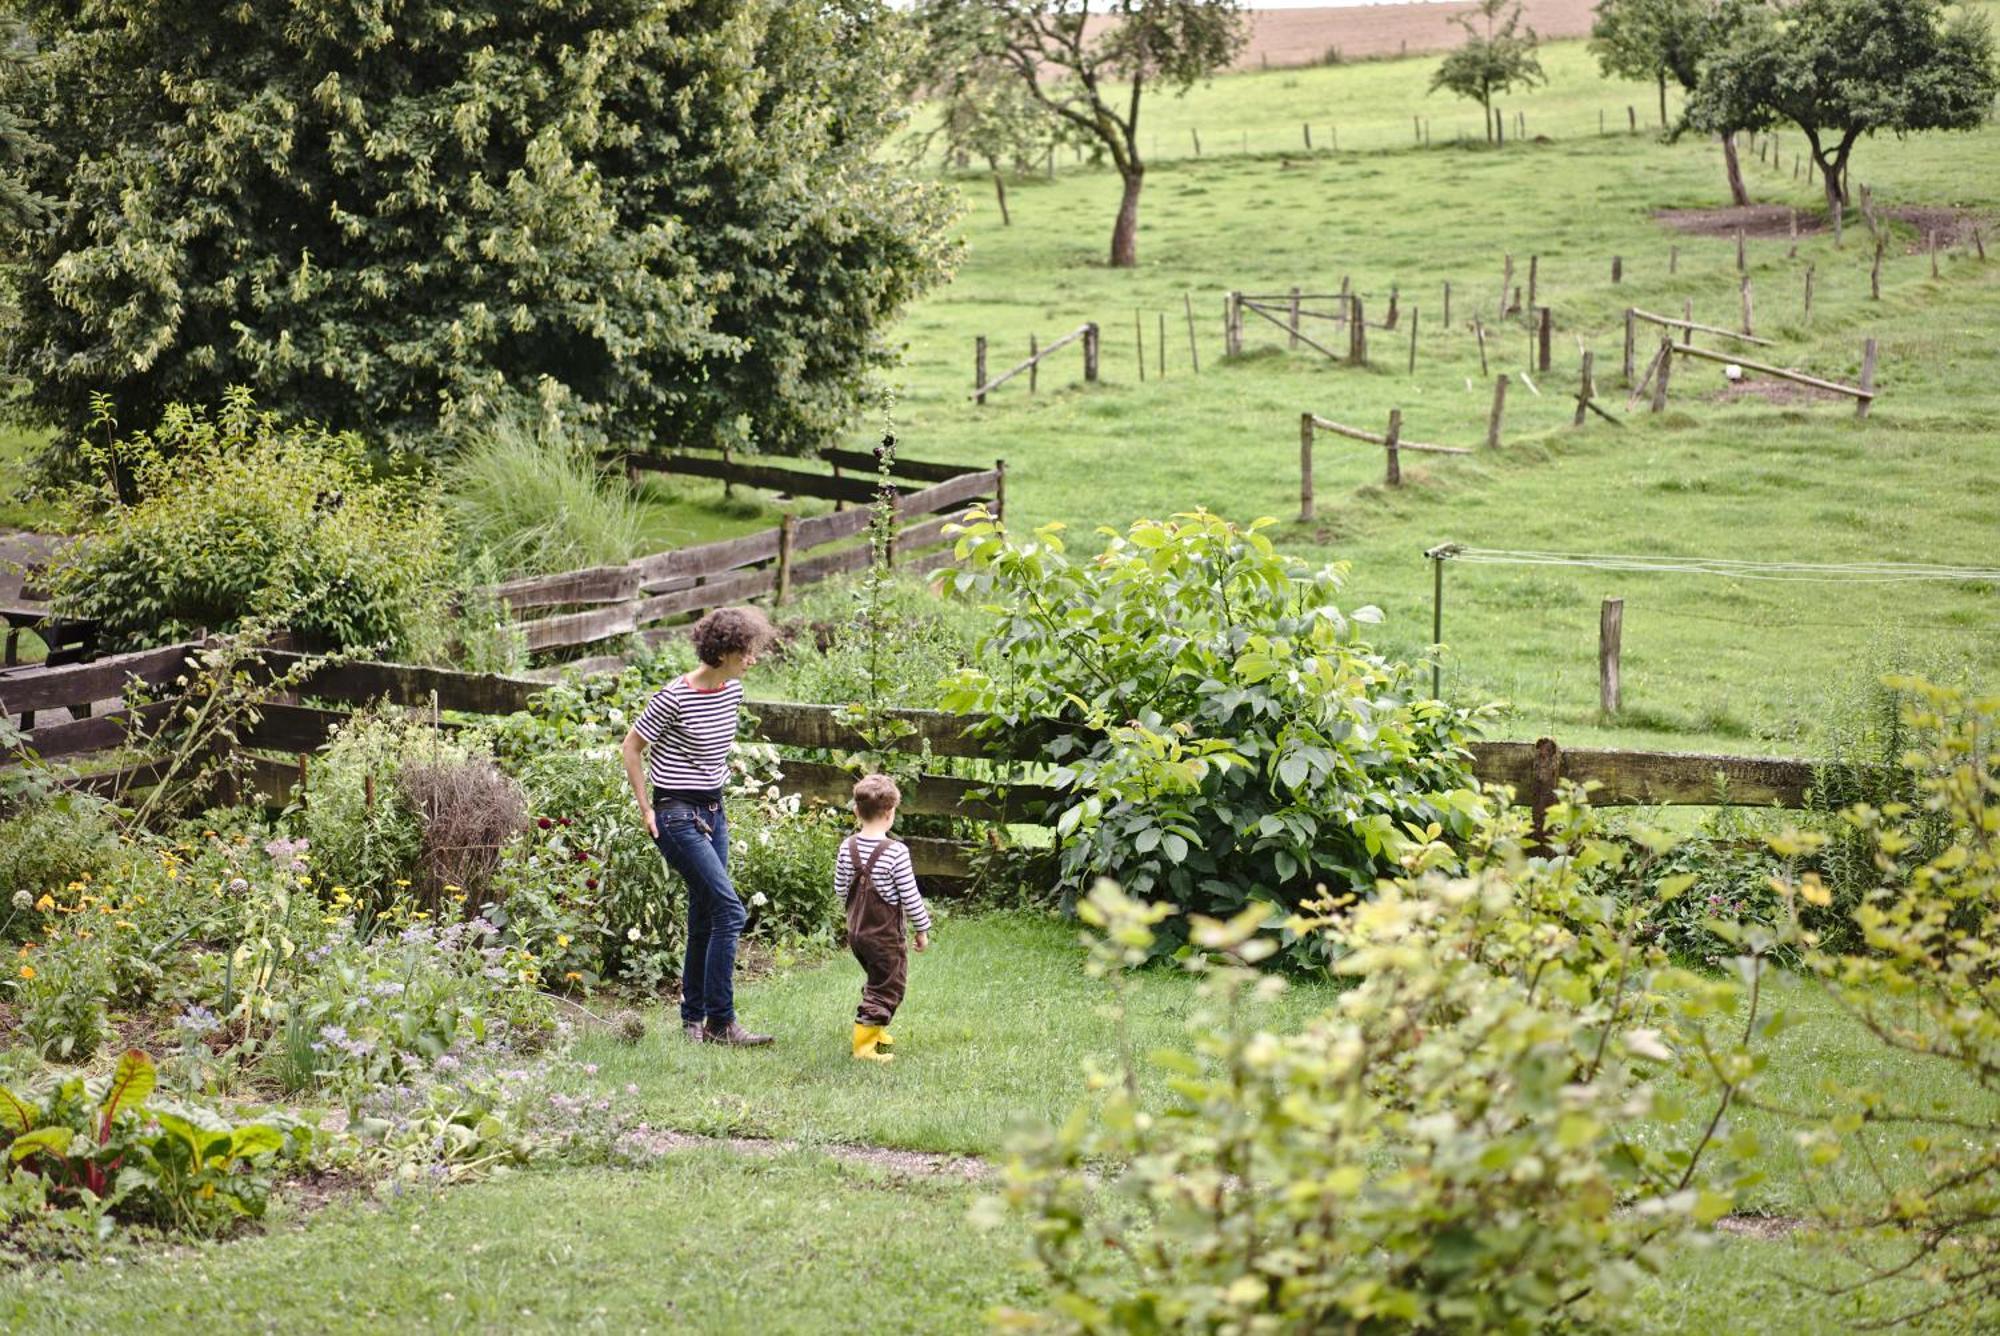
<point x="634" y="217"/>
<point x="1091" y="69"/>
<point x="1498" y="55"/>
<point x="1842" y="69"/>
<point x="1662" y="40"/>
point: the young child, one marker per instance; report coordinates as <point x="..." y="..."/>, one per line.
<point x="873" y="875"/>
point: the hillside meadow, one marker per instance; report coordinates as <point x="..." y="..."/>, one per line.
<point x="1709" y="664"/>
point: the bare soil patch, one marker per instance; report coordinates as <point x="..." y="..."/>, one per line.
<point x="1757" y="220"/>
<point x="1953" y="226"/>
<point x="1776" y="392"/>
<point x="1286" y="38"/>
<point x="1764" y="1228"/>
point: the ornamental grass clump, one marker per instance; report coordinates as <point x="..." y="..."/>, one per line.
<point x="1232" y="739"/>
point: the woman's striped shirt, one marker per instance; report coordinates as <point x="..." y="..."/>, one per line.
<point x="690" y="732"/>
<point x="895" y="879"/>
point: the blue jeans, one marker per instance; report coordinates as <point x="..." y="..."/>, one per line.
<point x="715" y="916"/>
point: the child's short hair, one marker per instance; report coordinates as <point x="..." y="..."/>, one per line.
<point x="874" y="796"/>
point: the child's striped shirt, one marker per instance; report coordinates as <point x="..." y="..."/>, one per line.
<point x="691" y="732"/>
<point x="895" y="879"/>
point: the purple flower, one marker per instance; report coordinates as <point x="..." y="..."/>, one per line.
<point x="197" y="1021"/>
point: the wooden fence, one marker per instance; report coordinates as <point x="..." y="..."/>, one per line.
<point x="280" y="744"/>
<point x="600" y="603"/>
<point x="1037" y="354"/>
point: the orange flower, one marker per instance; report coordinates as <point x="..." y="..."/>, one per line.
<point x="27" y="971"/>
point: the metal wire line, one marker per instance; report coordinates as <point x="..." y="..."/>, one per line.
<point x="1801" y="572"/>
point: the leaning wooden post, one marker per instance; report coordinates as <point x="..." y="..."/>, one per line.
<point x="1610" y="634"/>
<point x="787" y="533"/>
<point x="1413" y="341"/>
<point x="1393" y="471"/>
<point x="1631" y="330"/>
<point x="1542" y="345"/>
<point x="1197" y="140"/>
<point x="1090" y="353"/>
<point x="1294" y="343"/>
<point x="1806" y="316"/>
<point x="1586" y="388"/>
<point x="1305" y="468"/>
<point x="1660" y="381"/>
<point x="1493" y="416"/>
<point x="1979" y="245"/>
<point x="1194" y="354"/>
<point x="1357" y="333"/>
<point x="1307" y="127"/>
<point x="1034" y="362"/>
<point x="1861" y="406"/>
<point x="979" y="368"/>
<point x="1875" y="274"/>
<point x="1479" y="333"/>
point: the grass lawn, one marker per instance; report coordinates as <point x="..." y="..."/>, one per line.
<point x="999" y="1021"/>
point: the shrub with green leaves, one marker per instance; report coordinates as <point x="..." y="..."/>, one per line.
<point x="538" y="502"/>
<point x="211" y="519"/>
<point x="1445" y="1149"/>
<point x="48" y="843"/>
<point x="1233" y="739"/>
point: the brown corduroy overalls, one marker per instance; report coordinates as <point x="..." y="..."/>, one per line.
<point x="875" y="934"/>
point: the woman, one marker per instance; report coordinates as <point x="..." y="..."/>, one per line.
<point x="690" y="728"/>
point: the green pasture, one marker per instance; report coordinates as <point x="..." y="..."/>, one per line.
<point x="999" y="1025"/>
<point x="1708" y="664"/>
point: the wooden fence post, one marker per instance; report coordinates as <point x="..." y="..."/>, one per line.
<point x="1792" y="233"/>
<point x="1933" y="240"/>
<point x="1493" y="417"/>
<point x="1586" y="388"/>
<point x="1610" y="635"/>
<point x="1357" y="333"/>
<point x="1197" y="140"/>
<point x="1979" y="245"/>
<point x="1139" y="339"/>
<point x="1861" y="406"/>
<point x="1034" y="362"/>
<point x="1393" y="471"/>
<point x="787" y="531"/>
<point x="1875" y="274"/>
<point x="1745" y="286"/>
<point x="1506" y="283"/>
<point x="1293" y="345"/>
<point x="1542" y="347"/>
<point x="1742" y="261"/>
<point x="1617" y="269"/>
<point x="979" y="368"/>
<point x="1000" y="490"/>
<point x="1413" y="341"/>
<point x="1000" y="189"/>
<point x="1625" y="367"/>
<point x="1632" y="118"/>
<point x="1542" y="792"/>
<point x="1806" y="318"/>
<point x="1194" y="354"/>
<point x="1660" y="381"/>
<point x="1305" y="468"/>
<point x="1534" y="284"/>
<point x="1090" y="352"/>
<point x="1479" y="333"/>
<point x="1232" y="328"/>
<point x="1309" y="135"/>
<point x="1447" y="304"/>
<point x="1395" y="307"/>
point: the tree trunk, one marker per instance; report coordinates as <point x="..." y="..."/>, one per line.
<point x="1738" y="196"/>
<point x="1831" y="174"/>
<point x="1663" y="99"/>
<point x="1125" y="234"/>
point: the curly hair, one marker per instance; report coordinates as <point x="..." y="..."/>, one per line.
<point x="875" y="795"/>
<point x="728" y="631"/>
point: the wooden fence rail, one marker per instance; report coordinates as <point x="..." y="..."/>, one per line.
<point x="612" y="601"/>
<point x="1392" y="443"/>
<point x="982" y="387"/>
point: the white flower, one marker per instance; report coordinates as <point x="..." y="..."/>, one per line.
<point x="23" y="900"/>
<point x="759" y="900"/>
<point x="631" y="934"/>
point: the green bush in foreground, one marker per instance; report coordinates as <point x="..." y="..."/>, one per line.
<point x="1237" y="742"/>
<point x="211" y="519"/>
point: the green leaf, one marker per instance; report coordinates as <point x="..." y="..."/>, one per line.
<point x="256" y="1139"/>
<point x="16" y="1115"/>
<point x="130" y="1083"/>
<point x="53" y="1140"/>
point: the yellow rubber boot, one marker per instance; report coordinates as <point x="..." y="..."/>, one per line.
<point x="885" y="1041"/>
<point x="866" y="1037"/>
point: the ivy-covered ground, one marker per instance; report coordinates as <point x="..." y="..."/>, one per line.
<point x="818" y="1233"/>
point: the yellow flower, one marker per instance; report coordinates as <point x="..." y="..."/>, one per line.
<point x="82" y="935"/>
<point x="402" y="881"/>
<point x="126" y="923"/>
<point x="46" y="903"/>
<point x="573" y="977"/>
<point x="562" y="939"/>
<point x="208" y="834"/>
<point x="27" y="971"/>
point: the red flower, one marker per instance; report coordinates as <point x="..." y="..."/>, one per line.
<point x="590" y="883"/>
<point x="544" y="823"/>
<point x="564" y="822"/>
